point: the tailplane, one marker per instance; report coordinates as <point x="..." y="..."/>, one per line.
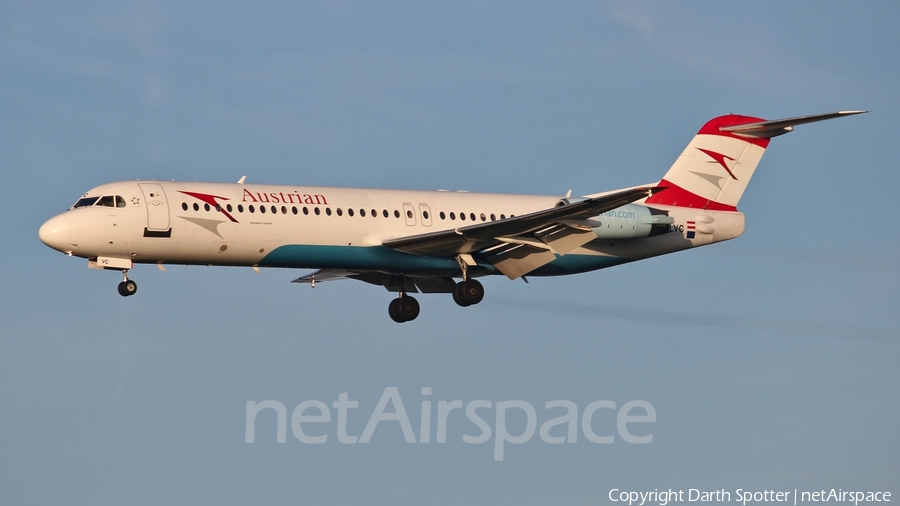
<point x="713" y="171"/>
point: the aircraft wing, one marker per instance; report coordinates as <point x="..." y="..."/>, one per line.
<point x="516" y="246"/>
<point x="393" y="282"/>
<point x="325" y="275"/>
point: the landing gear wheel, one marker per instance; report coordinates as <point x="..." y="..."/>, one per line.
<point x="394" y="311"/>
<point x="468" y="293"/>
<point x="403" y="309"/>
<point x="458" y="296"/>
<point x="409" y="308"/>
<point x="127" y="288"/>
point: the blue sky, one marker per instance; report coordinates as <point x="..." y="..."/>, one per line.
<point x="770" y="360"/>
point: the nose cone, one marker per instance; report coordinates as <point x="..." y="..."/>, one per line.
<point x="55" y="233"/>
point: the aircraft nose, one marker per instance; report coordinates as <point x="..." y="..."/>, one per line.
<point x="55" y="233"/>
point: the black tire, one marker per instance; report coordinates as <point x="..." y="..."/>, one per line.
<point x="394" y="311"/>
<point x="127" y="288"/>
<point x="471" y="291"/>
<point x="409" y="308"/>
<point x="458" y="296"/>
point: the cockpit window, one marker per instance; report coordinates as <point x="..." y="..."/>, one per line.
<point x="85" y="202"/>
<point x="106" y="201"/>
<point x="120" y="202"/>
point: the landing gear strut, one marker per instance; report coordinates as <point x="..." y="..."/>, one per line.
<point x="404" y="308"/>
<point x="127" y="287"/>
<point x="468" y="292"/>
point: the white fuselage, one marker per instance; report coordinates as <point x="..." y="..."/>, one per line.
<point x="339" y="228"/>
<point x="422" y="241"/>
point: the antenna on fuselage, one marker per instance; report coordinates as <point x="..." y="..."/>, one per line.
<point x="242" y="179"/>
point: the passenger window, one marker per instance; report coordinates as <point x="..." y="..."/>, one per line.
<point x="228" y="206"/>
<point x="328" y="211"/>
<point x="305" y="210"/>
<point x="283" y="210"/>
<point x="493" y="217"/>
<point x="251" y="208"/>
<point x="240" y="208"/>
<point x="339" y="212"/>
<point x="502" y="216"/>
<point x="184" y="206"/>
<point x="385" y="213"/>
<point x="472" y="215"/>
<point x="425" y="214"/>
<point x="462" y="216"/>
<point x="396" y="213"/>
<point x="274" y="211"/>
<point x="294" y="209"/>
<point x="349" y="212"/>
<point x="374" y="213"/>
<point x="483" y="217"/>
<point x="206" y="207"/>
<point x="317" y="211"/>
<point x="362" y="212"/>
<point x="408" y="213"/>
<point x="443" y="216"/>
<point x="452" y="215"/>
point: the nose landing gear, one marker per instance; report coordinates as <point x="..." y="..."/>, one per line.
<point x="127" y="287"/>
<point x="403" y="309"/>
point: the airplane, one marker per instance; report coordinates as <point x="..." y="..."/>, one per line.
<point x="421" y="241"/>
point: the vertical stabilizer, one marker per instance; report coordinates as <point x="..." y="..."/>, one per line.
<point x="714" y="169"/>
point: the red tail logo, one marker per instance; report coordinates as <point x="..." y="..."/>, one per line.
<point x="719" y="157"/>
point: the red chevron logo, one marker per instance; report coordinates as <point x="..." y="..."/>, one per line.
<point x="211" y="200"/>
<point x="719" y="157"/>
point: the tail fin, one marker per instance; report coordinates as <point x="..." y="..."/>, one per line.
<point x="713" y="171"/>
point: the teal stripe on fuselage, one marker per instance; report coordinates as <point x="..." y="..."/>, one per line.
<point x="368" y="258"/>
<point x="380" y="258"/>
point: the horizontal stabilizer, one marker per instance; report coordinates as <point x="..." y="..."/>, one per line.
<point x="769" y="129"/>
<point x="715" y="167"/>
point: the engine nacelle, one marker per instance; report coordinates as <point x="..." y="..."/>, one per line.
<point x="631" y="221"/>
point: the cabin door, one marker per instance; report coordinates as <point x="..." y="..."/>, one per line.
<point x="157" y="207"/>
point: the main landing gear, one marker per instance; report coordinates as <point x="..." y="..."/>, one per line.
<point x="468" y="292"/>
<point x="127" y="287"/>
<point x="404" y="308"/>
